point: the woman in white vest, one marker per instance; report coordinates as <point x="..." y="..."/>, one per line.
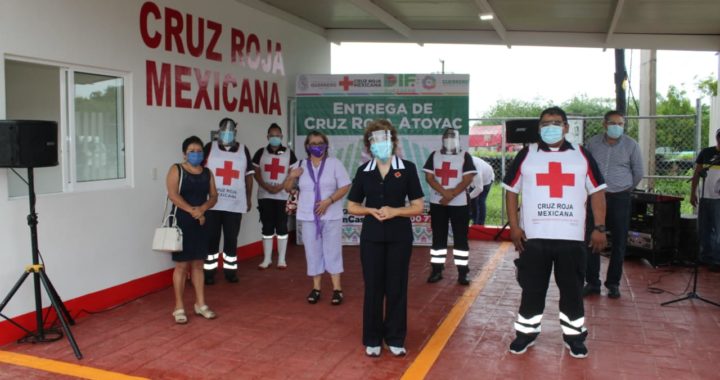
<point x="272" y="165"/>
<point x="229" y="162"/>
<point x="449" y="171"/>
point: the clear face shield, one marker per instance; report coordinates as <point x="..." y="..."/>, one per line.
<point x="381" y="144"/>
<point x="451" y="142"/>
<point x="227" y="132"/>
<point x="380" y="136"/>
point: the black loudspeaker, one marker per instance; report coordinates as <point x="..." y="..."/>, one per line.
<point x="28" y="143"/>
<point x="522" y="131"/>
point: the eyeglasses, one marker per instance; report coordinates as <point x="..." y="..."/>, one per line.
<point x="558" y="123"/>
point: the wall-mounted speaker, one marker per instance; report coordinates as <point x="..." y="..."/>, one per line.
<point x="28" y="143"/>
<point x="522" y="131"/>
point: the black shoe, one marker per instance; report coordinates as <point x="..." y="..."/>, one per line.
<point x="313" y="297"/>
<point x="436" y="274"/>
<point x="521" y="343"/>
<point x="463" y="276"/>
<point x="577" y="349"/>
<point x="613" y="291"/>
<point x="231" y="277"/>
<point x="209" y="280"/>
<point x="590" y="290"/>
<point x="337" y="297"/>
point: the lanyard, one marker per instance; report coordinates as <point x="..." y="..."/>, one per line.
<point x="316" y="182"/>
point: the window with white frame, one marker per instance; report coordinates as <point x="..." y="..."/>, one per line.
<point x="90" y="108"/>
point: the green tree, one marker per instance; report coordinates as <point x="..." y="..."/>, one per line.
<point x="708" y="86"/>
<point x="676" y="134"/>
<point x="582" y="105"/>
<point x="515" y="108"/>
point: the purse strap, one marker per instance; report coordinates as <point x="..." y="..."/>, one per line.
<point x="167" y="199"/>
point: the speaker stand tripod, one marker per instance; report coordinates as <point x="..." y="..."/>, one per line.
<point x="693" y="295"/>
<point x="40" y="277"/>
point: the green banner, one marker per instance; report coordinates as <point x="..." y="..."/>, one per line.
<point x="411" y="115"/>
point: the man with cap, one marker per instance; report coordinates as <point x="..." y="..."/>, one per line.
<point x="232" y="168"/>
<point x="272" y="164"/>
<point x="555" y="178"/>
<point x="449" y="171"/>
<point x="707" y="165"/>
<point x="620" y="162"/>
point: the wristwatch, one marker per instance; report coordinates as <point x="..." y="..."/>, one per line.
<point x="600" y="228"/>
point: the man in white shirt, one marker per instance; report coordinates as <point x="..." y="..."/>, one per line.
<point x="479" y="190"/>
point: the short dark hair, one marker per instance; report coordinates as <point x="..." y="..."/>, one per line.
<point x="274" y="126"/>
<point x="226" y="119"/>
<point x="380" y="125"/>
<point x="612" y="113"/>
<point x="554" y="111"/>
<point x="315" y="133"/>
<point x="447" y="130"/>
<point x="191" y="140"/>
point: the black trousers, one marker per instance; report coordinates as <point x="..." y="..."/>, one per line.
<point x="273" y="217"/>
<point x="617" y="220"/>
<point x="534" y="266"/>
<point x="385" y="271"/>
<point x="228" y="224"/>
<point x="458" y="218"/>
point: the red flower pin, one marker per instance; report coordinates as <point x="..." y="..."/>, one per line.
<point x="397" y="174"/>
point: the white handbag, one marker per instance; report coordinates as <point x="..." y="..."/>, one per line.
<point x="168" y="237"/>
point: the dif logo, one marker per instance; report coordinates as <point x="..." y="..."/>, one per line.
<point x="401" y="80"/>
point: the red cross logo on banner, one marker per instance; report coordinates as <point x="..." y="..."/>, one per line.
<point x="445" y="173"/>
<point x="345" y="83"/>
<point x="274" y="168"/>
<point x="227" y="173"/>
<point x="555" y="179"/>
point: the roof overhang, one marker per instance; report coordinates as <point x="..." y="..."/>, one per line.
<point x="646" y="24"/>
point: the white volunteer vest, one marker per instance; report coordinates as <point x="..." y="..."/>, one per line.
<point x="712" y="183"/>
<point x="229" y="169"/>
<point x="555" y="187"/>
<point x="273" y="169"/>
<point x="448" y="171"/>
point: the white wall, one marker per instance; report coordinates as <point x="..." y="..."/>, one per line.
<point x="95" y="240"/>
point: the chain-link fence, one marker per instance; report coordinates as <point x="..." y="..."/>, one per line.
<point x="669" y="145"/>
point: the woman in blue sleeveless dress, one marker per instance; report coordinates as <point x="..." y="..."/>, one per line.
<point x="196" y="194"/>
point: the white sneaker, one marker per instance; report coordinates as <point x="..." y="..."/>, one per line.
<point x="372" y="351"/>
<point x="397" y="351"/>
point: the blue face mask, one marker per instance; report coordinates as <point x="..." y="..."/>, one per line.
<point x="614" y="131"/>
<point x="275" y="141"/>
<point x="551" y="134"/>
<point x="195" y="158"/>
<point x="227" y="137"/>
<point x="381" y="150"/>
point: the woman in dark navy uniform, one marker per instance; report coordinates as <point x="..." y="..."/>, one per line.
<point x="384" y="183"/>
<point x="195" y="196"/>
